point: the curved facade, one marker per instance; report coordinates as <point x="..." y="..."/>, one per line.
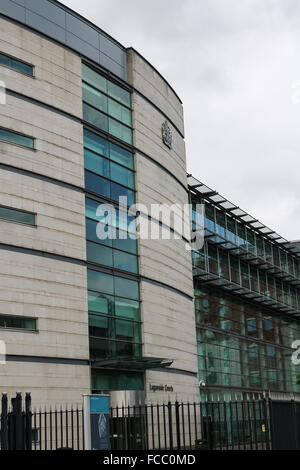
<point x="82" y="126"/>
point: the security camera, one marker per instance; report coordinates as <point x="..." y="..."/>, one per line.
<point x="202" y="383"/>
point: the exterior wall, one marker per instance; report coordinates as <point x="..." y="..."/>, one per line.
<point x="64" y="25"/>
<point x="168" y="316"/>
<point x="42" y="285"/>
<point x="57" y="72"/>
<point x="54" y="290"/>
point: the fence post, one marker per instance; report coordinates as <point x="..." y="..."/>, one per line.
<point x="4" y="423"/>
<point x="170" y="424"/>
<point x="28" y="424"/>
<point x="266" y="422"/>
<point x="19" y="429"/>
<point x="177" y="424"/>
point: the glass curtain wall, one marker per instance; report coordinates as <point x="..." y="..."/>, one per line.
<point x="242" y="346"/>
<point x="113" y="288"/>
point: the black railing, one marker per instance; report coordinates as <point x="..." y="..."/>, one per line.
<point x="244" y="424"/>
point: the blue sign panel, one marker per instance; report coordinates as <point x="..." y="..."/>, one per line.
<point x="99" y="404"/>
<point x="99" y="422"/>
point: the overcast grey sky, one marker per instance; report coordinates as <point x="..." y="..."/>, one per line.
<point x="234" y="64"/>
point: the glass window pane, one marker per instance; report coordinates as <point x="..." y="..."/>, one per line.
<point x="117" y="191"/>
<point x="102" y="380"/>
<point x="125" y="244"/>
<point x="24" y="323"/>
<point x="95" y="117"/>
<point x="96" y="143"/>
<point x="15" y="138"/>
<point x="97" y="164"/>
<point x="91" y="233"/>
<point x="94" y="97"/>
<point x="121" y="95"/>
<point x="245" y="275"/>
<point x="118" y="111"/>
<point x="100" y="282"/>
<point x="98" y="325"/>
<point x="122" y="175"/>
<point x="17" y="216"/>
<point x="21" y="67"/>
<point x="97" y="184"/>
<point x="127" y="309"/>
<point x="99" y="254"/>
<point x="125" y="261"/>
<point x="5" y="60"/>
<point x="126" y="288"/>
<point x="220" y="217"/>
<point x="120" y="155"/>
<point x="16" y="64"/>
<point x="120" y="131"/>
<point x="100" y="303"/>
<point x="94" y="78"/>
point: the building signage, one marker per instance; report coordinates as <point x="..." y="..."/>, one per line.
<point x="96" y="422"/>
<point x="161" y="388"/>
<point x="166" y="134"/>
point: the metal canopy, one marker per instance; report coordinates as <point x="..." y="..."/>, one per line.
<point x="131" y="363"/>
<point x="255" y="260"/>
<point x="215" y="280"/>
<point x="203" y="191"/>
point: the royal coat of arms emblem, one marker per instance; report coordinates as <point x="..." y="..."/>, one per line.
<point x="166" y="134"/>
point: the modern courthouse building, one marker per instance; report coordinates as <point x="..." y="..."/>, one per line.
<point x="84" y="121"/>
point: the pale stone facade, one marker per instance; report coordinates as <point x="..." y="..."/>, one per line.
<point x="51" y="363"/>
<point x="43" y="267"/>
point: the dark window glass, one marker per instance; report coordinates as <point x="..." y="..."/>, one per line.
<point x="15" y="138"/>
<point x="251" y="325"/>
<point x="111" y="170"/>
<point x="97" y="184"/>
<point x="118" y="191"/>
<point x="99" y="254"/>
<point x="245" y="275"/>
<point x="97" y="164"/>
<point x="125" y="261"/>
<point x="125" y="244"/>
<point x="17" y="215"/>
<point x="91" y="233"/>
<point x="24" y="323"/>
<point x="100" y="282"/>
<point x="96" y="143"/>
<point x="209" y="218"/>
<point x="213" y="259"/>
<point x="122" y="175"/>
<point x="126" y="288"/>
<point x="111" y="380"/>
<point x="120" y="155"/>
<point x="16" y="64"/>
